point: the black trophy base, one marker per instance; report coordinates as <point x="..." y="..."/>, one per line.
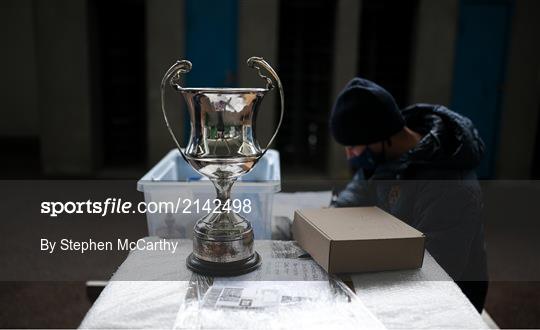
<point x="217" y="269"/>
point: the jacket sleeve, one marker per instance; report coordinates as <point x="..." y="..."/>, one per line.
<point x="356" y="193"/>
<point x="449" y="214"/>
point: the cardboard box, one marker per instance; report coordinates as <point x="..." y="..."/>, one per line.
<point x="358" y="239"/>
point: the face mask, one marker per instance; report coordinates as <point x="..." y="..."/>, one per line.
<point x="367" y="160"/>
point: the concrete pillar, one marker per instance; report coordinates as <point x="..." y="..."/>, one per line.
<point x="521" y="103"/>
<point x="165" y="40"/>
<point x="64" y="96"/>
<point x="258" y="35"/>
<point x="345" y="68"/>
<point x="18" y="83"/>
<point x="433" y="61"/>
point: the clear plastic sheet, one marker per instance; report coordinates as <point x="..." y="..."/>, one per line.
<point x="226" y="304"/>
<point x="266" y="300"/>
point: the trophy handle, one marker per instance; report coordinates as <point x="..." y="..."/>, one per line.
<point x="172" y="77"/>
<point x="259" y="63"/>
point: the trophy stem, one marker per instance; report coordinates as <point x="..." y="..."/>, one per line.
<point x="223" y="190"/>
<point x="223" y="240"/>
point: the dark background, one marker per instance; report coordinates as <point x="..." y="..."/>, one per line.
<point x="79" y="98"/>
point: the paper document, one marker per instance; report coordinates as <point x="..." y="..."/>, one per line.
<point x="277" y="305"/>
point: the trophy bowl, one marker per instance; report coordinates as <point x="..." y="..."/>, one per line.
<point x="222" y="146"/>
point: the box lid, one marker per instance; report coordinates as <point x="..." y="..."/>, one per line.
<point x="358" y="223"/>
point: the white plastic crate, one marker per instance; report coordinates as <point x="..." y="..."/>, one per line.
<point x="172" y="178"/>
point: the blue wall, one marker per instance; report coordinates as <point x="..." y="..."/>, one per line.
<point x="211" y="42"/>
<point x="479" y="69"/>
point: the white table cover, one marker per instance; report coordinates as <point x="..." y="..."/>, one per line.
<point x="150" y="297"/>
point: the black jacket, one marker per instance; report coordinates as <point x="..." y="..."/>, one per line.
<point x="433" y="188"/>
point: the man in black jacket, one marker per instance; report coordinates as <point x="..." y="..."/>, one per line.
<point x="419" y="165"/>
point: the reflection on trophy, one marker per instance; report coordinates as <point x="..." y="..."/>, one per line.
<point x="222" y="146"/>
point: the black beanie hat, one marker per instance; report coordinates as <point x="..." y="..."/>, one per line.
<point x="364" y="113"/>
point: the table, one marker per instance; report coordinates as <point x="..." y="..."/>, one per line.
<point x="149" y="288"/>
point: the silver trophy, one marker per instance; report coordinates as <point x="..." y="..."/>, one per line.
<point x="222" y="146"/>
